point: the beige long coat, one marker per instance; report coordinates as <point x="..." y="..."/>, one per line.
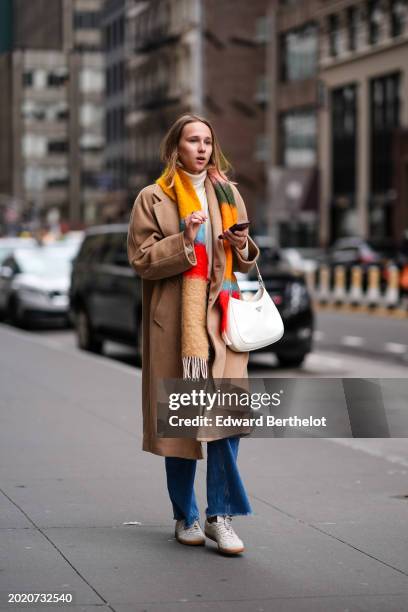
<point x="156" y="250"/>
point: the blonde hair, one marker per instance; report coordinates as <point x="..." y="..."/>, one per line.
<point x="217" y="165"/>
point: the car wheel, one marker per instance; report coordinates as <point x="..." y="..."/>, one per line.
<point x="292" y="361"/>
<point x="86" y="339"/>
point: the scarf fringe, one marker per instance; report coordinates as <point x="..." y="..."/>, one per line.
<point x="193" y="367"/>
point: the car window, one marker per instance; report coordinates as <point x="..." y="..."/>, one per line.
<point x="92" y="249"/>
<point x="116" y="250"/>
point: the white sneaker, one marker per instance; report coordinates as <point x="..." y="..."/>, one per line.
<point x="222" y="532"/>
<point x="192" y="535"/>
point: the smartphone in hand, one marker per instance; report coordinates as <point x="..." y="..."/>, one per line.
<point x="237" y="227"/>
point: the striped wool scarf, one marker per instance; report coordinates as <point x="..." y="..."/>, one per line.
<point x="194" y="340"/>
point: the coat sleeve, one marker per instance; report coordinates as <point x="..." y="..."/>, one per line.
<point x="150" y="253"/>
<point x="239" y="263"/>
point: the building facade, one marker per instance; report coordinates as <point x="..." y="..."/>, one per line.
<point x="164" y="72"/>
<point x="206" y="58"/>
<point x="293" y="176"/>
<point x="338" y="121"/>
<point x="116" y="163"/>
<point x="363" y="119"/>
<point x="52" y="144"/>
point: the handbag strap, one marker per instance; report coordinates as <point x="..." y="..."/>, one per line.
<point x="260" y="279"/>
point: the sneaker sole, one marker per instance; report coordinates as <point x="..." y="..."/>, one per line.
<point x="190" y="542"/>
<point x="227" y="551"/>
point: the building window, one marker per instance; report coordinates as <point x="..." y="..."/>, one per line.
<point x="32" y="110"/>
<point x="58" y="146"/>
<point x="57" y="177"/>
<point x="334" y="35"/>
<point x="122" y="122"/>
<point x="344" y="129"/>
<point x="86" y="19"/>
<point x="262" y="29"/>
<point x="121" y="30"/>
<point x="91" y="143"/>
<point x="91" y="80"/>
<point x="375" y="17"/>
<point x="90" y="115"/>
<point x="343" y="161"/>
<point x="57" y="77"/>
<point x="121" y="75"/>
<point x="28" y="78"/>
<point x="398" y="16"/>
<point x="298" y="131"/>
<point x="385" y="118"/>
<point x="352" y="27"/>
<point x="38" y="78"/>
<point x="299" y="53"/>
<point x="34" y="145"/>
<point x="108" y="37"/>
<point x="34" y="178"/>
<point x="262" y="89"/>
<point x="114" y="78"/>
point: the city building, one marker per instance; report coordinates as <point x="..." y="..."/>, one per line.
<point x="293" y="176"/>
<point x="164" y="72"/>
<point x="338" y="121"/>
<point x="51" y="117"/>
<point x="363" y="119"/>
<point x="116" y="158"/>
<point x="206" y="58"/>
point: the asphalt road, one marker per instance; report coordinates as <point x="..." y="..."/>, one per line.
<point x="363" y="334"/>
<point x="85" y="511"/>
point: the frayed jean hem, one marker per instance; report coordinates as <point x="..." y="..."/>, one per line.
<point x="223" y="513"/>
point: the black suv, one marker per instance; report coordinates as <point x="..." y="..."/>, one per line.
<point x="288" y="289"/>
<point x="106" y="295"/>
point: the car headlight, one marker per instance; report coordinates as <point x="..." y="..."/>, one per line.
<point x="298" y="298"/>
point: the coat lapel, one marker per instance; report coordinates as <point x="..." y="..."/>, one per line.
<point x="166" y="212"/>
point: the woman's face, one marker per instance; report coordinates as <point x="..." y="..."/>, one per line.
<point x="195" y="146"/>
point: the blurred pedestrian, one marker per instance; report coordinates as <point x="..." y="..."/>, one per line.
<point x="188" y="272"/>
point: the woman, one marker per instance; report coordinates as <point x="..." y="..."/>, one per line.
<point x="187" y="272"/>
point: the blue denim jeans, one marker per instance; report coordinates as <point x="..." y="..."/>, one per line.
<point x="225" y="490"/>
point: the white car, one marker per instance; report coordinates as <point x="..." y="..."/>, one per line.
<point x="34" y="284"/>
<point x="9" y="243"/>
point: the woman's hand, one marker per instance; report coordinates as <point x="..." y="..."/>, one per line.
<point x="193" y="223"/>
<point x="237" y="239"/>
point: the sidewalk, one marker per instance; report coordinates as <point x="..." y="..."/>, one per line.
<point x="329" y="532"/>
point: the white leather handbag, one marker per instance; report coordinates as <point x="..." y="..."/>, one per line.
<point x="253" y="323"/>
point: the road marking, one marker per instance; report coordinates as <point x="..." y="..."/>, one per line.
<point x="394" y="347"/>
<point x="325" y="360"/>
<point x="352" y="340"/>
